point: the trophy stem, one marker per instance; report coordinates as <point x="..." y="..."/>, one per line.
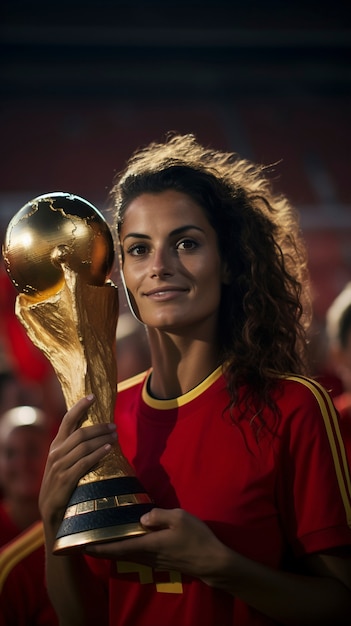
<point x="76" y="330"/>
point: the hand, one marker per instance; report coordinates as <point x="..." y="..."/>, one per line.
<point x="176" y="541"/>
<point x="73" y="452"/>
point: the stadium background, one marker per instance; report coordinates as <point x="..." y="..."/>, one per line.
<point x="85" y="83"/>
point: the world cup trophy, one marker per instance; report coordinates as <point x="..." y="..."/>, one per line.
<point x="58" y="252"/>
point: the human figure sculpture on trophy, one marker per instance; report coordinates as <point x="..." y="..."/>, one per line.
<point x="59" y="252"/>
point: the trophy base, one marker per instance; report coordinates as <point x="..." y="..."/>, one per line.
<point x="106" y="510"/>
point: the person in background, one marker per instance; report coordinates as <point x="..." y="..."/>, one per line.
<point x="238" y="448"/>
<point x="320" y="366"/>
<point x="25" y="437"/>
<point x="133" y="354"/>
<point x="24" y="599"/>
<point x="338" y="330"/>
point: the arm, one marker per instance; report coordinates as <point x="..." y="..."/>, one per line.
<point x="184" y="543"/>
<point x="72" y="453"/>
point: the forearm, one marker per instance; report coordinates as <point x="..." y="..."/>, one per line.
<point x="76" y="594"/>
<point x="287" y="598"/>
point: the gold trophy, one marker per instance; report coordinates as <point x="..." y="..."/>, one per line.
<point x="58" y="252"/>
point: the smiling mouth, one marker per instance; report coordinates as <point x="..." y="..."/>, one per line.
<point x="164" y="293"/>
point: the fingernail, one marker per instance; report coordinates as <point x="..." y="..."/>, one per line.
<point x="90" y="397"/>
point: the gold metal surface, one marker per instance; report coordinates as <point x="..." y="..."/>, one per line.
<point x="109" y="502"/>
<point x="76" y="330"/>
<point x="58" y="252"/>
<point x="52" y="230"/>
<point x="98" y="535"/>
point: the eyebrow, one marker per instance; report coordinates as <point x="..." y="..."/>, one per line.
<point x="176" y="231"/>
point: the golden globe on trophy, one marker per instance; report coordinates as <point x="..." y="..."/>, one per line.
<point x="59" y="252"/>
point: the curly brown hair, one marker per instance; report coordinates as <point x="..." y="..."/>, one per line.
<point x="265" y="309"/>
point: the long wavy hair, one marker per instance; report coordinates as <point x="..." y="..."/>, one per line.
<point x="265" y="310"/>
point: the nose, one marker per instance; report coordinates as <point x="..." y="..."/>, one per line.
<point x="161" y="263"/>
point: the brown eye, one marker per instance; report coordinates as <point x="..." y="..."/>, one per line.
<point x="187" y="244"/>
<point x="137" y="250"/>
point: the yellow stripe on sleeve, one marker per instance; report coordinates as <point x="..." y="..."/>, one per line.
<point x="18" y="549"/>
<point x="336" y="442"/>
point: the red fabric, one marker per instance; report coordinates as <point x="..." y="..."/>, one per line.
<point x="27" y="360"/>
<point x="273" y="501"/>
<point x="8" y="529"/>
<point x="23" y="596"/>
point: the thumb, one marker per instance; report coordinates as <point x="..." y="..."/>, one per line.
<point x="156" y="518"/>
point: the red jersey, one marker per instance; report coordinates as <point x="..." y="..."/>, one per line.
<point x="23" y="596"/>
<point x="8" y="528"/>
<point x="271" y="498"/>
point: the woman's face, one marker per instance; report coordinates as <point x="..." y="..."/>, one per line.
<point x="172" y="267"/>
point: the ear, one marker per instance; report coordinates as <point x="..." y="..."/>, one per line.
<point x="226" y="274"/>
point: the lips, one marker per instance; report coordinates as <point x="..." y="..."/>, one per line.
<point x="165" y="293"/>
<point x="161" y="291"/>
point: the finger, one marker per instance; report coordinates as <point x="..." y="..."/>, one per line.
<point x="160" y="518"/>
<point x="71" y="424"/>
<point x="84" y="448"/>
<point x="127" y="548"/>
<point x="85" y="457"/>
<point x="86" y="436"/>
<point x="62" y="475"/>
<point x="75" y="415"/>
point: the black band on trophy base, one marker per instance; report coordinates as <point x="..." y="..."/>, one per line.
<point x="105" y="488"/>
<point x="106" y="510"/>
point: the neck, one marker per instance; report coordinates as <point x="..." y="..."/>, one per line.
<point x="178" y="365"/>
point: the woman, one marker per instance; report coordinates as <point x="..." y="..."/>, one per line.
<point x="239" y="451"/>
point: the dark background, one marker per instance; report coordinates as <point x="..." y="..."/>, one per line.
<point x="83" y="84"/>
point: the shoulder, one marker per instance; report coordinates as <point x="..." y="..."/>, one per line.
<point x="21" y="547"/>
<point x="133" y="383"/>
<point x="310" y="421"/>
<point x="129" y="393"/>
<point x="301" y="391"/>
<point x="307" y="411"/>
